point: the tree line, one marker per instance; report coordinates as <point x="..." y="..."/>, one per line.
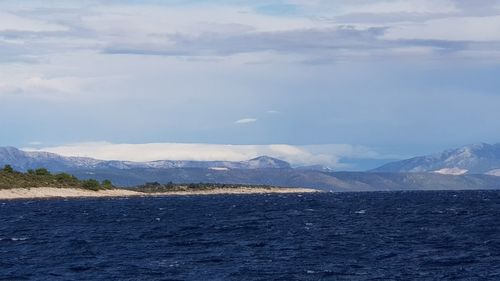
<point x="42" y="177"/>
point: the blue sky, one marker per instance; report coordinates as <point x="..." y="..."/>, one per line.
<point x="348" y="84"/>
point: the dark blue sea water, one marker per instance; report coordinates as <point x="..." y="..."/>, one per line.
<point x="350" y="236"/>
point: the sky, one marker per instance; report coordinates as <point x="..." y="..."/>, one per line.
<point x="346" y="84"/>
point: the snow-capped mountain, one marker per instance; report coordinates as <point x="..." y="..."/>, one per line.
<point x="268" y="171"/>
<point x="23" y="160"/>
<point x="479" y="158"/>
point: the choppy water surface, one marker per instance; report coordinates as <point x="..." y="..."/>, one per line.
<point x="354" y="236"/>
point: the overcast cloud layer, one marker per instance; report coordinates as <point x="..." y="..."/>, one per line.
<point x="397" y="77"/>
<point x="326" y="155"/>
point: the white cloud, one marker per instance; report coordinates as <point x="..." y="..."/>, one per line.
<point x="194" y="20"/>
<point x="6" y="88"/>
<point x="44" y="88"/>
<point x="455" y="28"/>
<point x="11" y="22"/>
<point x="64" y="84"/>
<point x="246" y="120"/>
<point x="206" y="30"/>
<point x="403" y="6"/>
<point x="329" y="155"/>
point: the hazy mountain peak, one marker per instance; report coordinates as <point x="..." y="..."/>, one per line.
<point x="9" y="150"/>
<point x="268" y="162"/>
<point x="477" y="158"/>
<point x="23" y="160"/>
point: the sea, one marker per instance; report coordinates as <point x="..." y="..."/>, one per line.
<point x="431" y="235"/>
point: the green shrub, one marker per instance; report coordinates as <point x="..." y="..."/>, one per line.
<point x="91" y="184"/>
<point x="9" y="178"/>
<point x="107" y="184"/>
<point x="42" y="172"/>
<point x="8" y="169"/>
<point x="64" y="177"/>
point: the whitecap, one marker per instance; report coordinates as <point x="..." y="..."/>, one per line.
<point x="18" y="238"/>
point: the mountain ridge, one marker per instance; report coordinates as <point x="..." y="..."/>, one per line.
<point x="479" y="158"/>
<point x="262" y="170"/>
<point x="24" y="160"/>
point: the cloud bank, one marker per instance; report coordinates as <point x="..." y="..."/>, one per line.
<point x="328" y="155"/>
<point x="318" y="29"/>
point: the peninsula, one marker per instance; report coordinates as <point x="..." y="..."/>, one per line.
<point x="41" y="183"/>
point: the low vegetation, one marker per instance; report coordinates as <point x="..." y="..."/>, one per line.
<point x="10" y="178"/>
<point x="155" y="187"/>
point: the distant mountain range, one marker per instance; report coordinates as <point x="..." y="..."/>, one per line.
<point x="23" y="160"/>
<point x="479" y="158"/>
<point x="469" y="167"/>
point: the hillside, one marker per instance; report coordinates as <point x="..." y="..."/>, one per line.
<point x="328" y="181"/>
<point x="470" y="159"/>
<point x="9" y="178"/>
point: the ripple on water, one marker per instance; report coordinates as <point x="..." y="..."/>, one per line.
<point x="354" y="236"/>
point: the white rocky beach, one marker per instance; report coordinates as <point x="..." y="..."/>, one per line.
<point x="52" y="192"/>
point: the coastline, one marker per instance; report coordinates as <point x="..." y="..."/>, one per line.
<point x="63" y="193"/>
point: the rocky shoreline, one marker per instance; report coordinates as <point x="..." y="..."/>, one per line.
<point x="52" y="192"/>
